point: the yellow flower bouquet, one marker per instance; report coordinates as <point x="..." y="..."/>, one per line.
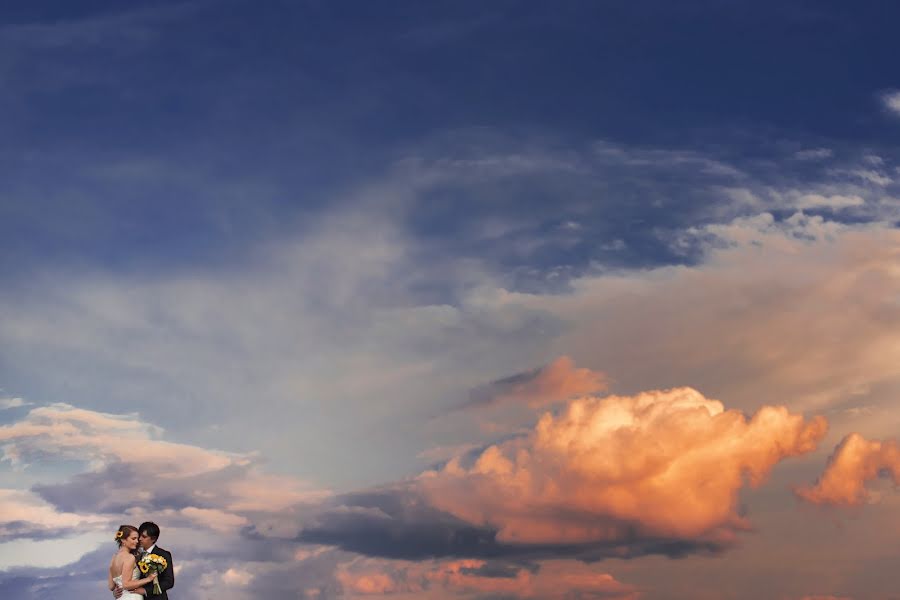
<point x="155" y="563"/>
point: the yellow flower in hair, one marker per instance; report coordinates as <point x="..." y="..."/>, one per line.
<point x="119" y="534"/>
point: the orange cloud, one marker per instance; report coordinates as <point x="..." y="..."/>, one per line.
<point x="556" y="381"/>
<point x="855" y="461"/>
<point x="661" y="465"/>
<point x="437" y="579"/>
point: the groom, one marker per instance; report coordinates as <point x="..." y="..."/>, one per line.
<point x="148" y="533"/>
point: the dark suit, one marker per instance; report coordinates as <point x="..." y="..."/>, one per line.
<point x="166" y="579"/>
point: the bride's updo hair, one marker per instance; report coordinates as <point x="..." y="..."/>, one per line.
<point x="123" y="532"/>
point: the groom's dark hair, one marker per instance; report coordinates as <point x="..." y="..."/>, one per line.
<point x="150" y="528"/>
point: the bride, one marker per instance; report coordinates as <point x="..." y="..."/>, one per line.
<point x="123" y="570"/>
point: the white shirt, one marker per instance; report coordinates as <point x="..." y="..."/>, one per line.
<point x="149" y="550"/>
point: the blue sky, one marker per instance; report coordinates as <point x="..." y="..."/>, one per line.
<point x="134" y="114"/>
<point x="290" y="243"/>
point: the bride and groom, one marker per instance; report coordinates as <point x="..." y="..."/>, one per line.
<point x="132" y="573"/>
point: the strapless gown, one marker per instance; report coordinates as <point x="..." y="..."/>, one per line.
<point x="129" y="595"/>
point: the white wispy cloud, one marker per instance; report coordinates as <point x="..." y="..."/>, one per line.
<point x="814" y="154"/>
<point x="891" y="101"/>
<point x="7" y="403"/>
<point x="835" y="201"/>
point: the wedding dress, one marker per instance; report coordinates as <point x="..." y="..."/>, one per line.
<point x="126" y="595"/>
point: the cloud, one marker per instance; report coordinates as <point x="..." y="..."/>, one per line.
<point x="81" y="577"/>
<point x="210" y="518"/>
<point x="836" y="201"/>
<point x="873" y="177"/>
<point x="762" y="316"/>
<point x="129" y="467"/>
<point x="814" y="154"/>
<point x="205" y="500"/>
<point x="234" y="576"/>
<point x="855" y="462"/>
<point x="7" y="403"/>
<point x="656" y="473"/>
<point x="554" y="382"/>
<point x="137" y="26"/>
<point x="553" y="580"/>
<point x="661" y="465"/>
<point x="25" y="515"/>
<point x="358" y="304"/>
<point x="311" y="329"/>
<point x="891" y="101"/>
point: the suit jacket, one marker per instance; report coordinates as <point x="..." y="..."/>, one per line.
<point x="166" y="579"/>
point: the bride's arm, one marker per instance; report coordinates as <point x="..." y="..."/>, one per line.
<point x="110" y="583"/>
<point x="134" y="585"/>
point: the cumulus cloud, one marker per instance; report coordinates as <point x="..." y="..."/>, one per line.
<point x="655" y="473"/>
<point x="756" y="322"/>
<point x="855" y="462"/>
<point x="556" y="381"/>
<point x="664" y="465"/>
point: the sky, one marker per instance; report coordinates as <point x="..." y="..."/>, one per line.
<point x="452" y="300"/>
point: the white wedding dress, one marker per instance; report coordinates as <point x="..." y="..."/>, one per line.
<point x="126" y="595"/>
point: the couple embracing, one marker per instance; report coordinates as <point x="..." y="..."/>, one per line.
<point x="140" y="569"/>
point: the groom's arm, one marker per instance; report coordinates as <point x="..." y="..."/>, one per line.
<point x="167" y="578"/>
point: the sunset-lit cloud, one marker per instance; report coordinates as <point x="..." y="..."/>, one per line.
<point x="731" y="325"/>
<point x="553" y="580"/>
<point x="127" y="465"/>
<point x="25" y="515"/>
<point x="395" y="302"/>
<point x="556" y="381"/>
<point x="655" y="473"/>
<point x="764" y="316"/>
<point x="855" y="462"/>
<point x="663" y="465"/>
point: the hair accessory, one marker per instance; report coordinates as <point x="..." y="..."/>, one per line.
<point x="119" y="534"/>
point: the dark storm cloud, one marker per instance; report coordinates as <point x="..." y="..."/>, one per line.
<point x="399" y="524"/>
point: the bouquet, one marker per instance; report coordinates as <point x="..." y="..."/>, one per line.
<point x="155" y="563"/>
